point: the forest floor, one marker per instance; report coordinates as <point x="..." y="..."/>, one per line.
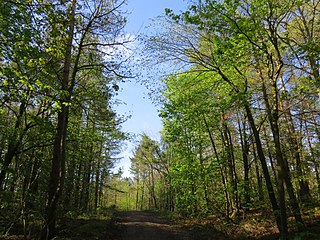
<point x="145" y="225"/>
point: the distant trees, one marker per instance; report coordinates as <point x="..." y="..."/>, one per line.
<point x="146" y="172"/>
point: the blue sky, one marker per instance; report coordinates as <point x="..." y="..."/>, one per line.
<point x="144" y="115"/>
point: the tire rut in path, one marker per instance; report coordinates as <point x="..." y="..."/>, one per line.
<point x="145" y="225"/>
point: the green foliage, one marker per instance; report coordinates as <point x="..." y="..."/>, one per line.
<point x="33" y="93"/>
<point x="239" y="60"/>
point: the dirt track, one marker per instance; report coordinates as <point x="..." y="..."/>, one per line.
<point x="144" y="225"/>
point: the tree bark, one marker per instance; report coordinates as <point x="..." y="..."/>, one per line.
<point x="223" y="179"/>
<point x="259" y="177"/>
<point x="270" y="156"/>
<point x="264" y="165"/>
<point x="304" y="191"/>
<point x="57" y="174"/>
<point x="283" y="168"/>
<point x="280" y="162"/>
<point x="245" y="152"/>
<point x="97" y="181"/>
<point x="313" y="159"/>
<point x="13" y="144"/>
<point x="228" y="145"/>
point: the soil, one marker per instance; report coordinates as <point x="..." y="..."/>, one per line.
<point x="144" y="225"/>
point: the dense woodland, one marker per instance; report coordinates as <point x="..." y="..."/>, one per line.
<point x="59" y="132"/>
<point x="241" y="114"/>
<point x="240" y="111"/>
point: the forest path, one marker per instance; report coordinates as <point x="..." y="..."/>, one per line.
<point x="144" y="225"/>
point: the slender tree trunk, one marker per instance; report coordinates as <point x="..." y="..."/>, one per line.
<point x="226" y="136"/>
<point x="234" y="173"/>
<point x="223" y="179"/>
<point x="86" y="186"/>
<point x="69" y="190"/>
<point x="13" y="144"/>
<point x="98" y="179"/>
<point x="280" y="162"/>
<point x="270" y="155"/>
<point x="153" y="194"/>
<point x="171" y="196"/>
<point x="304" y="191"/>
<point x="33" y="182"/>
<point x="97" y="183"/>
<point x="228" y="167"/>
<point x="57" y="174"/>
<point x="137" y="194"/>
<point x="283" y="168"/>
<point x="77" y="197"/>
<point x="11" y="152"/>
<point x="264" y="165"/>
<point x="142" y="196"/>
<point x="260" y="152"/>
<point x="245" y="154"/>
<point x="259" y="177"/>
<point x="203" y="179"/>
<point x="313" y="159"/>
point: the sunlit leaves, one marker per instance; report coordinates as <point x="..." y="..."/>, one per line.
<point x="34" y="90"/>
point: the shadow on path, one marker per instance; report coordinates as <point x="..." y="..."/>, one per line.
<point x="145" y="225"/>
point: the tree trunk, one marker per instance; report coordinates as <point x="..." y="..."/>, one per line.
<point x="97" y="183"/>
<point x="13" y="144"/>
<point x="227" y="141"/>
<point x="304" y="191"/>
<point x="264" y="165"/>
<point x="270" y="155"/>
<point x="85" y="190"/>
<point x="137" y="194"/>
<point x="280" y="162"/>
<point x="142" y="195"/>
<point x="153" y="190"/>
<point x="223" y="179"/>
<point x="70" y="188"/>
<point x="260" y="152"/>
<point x="259" y="177"/>
<point x="245" y="152"/>
<point x="203" y="179"/>
<point x="57" y="174"/>
<point x="77" y="197"/>
<point x="313" y="159"/>
<point x="283" y="168"/>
